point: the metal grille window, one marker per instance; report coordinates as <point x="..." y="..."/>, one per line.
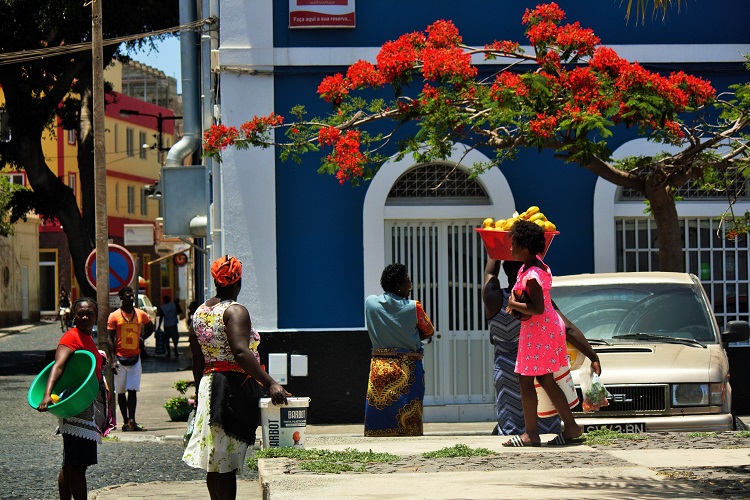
<point x="722" y="265"/>
<point x="446" y="183"/>
<point x="692" y="191"/>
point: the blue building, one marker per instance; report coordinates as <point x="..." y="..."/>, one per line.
<point x="312" y="249"/>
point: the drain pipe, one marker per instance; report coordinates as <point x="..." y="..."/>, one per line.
<point x="191" y="122"/>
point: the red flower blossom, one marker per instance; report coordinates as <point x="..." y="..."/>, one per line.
<point x="542" y="33"/>
<point x="581" y="40"/>
<point x="442" y="35"/>
<point x="543" y="12"/>
<point x="260" y="124"/>
<point x="607" y="61"/>
<point x="673" y="128"/>
<point x="363" y="74"/>
<point x="543" y="126"/>
<point x="399" y="57"/>
<point x="219" y="137"/>
<point x="334" y="88"/>
<point x="347" y="156"/>
<point x="510" y="84"/>
<point x="328" y="135"/>
<point x="505" y="46"/>
<point x="699" y="91"/>
<point x="448" y="63"/>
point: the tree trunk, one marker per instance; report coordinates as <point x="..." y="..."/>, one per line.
<point x="669" y="238"/>
<point x="47" y="185"/>
<point x="85" y="156"/>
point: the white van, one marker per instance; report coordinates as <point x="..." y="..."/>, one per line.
<point x="661" y="352"/>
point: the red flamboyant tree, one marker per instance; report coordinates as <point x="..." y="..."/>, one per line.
<point x="569" y="102"/>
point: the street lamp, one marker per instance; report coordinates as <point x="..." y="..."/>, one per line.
<point x="159" y="125"/>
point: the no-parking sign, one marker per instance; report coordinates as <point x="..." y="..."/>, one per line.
<point x="121" y="268"/>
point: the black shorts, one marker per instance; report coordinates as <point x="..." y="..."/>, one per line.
<point x="78" y="451"/>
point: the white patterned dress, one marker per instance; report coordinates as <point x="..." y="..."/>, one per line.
<point x="210" y="448"/>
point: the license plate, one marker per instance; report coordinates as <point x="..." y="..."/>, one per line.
<point x="630" y="428"/>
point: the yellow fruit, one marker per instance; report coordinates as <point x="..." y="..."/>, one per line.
<point x="498" y="223"/>
<point x="537" y="216"/>
<point x="488" y="222"/>
<point x="508" y="224"/>
<point x="532" y="210"/>
<point x="549" y="226"/>
<point x="54" y="397"/>
<point x="539" y="222"/>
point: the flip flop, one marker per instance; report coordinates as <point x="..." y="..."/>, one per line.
<point x="135" y="427"/>
<point x="561" y="440"/>
<point x="517" y="442"/>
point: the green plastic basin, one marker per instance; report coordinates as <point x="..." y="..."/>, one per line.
<point x="79" y="378"/>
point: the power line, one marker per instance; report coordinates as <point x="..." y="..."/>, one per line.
<point x="35" y="54"/>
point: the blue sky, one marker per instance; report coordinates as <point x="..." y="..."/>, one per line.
<point x="166" y="59"/>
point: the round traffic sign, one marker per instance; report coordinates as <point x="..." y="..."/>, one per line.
<point x="179" y="259"/>
<point x="121" y="268"/>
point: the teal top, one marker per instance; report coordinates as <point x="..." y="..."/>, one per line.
<point x="392" y="322"/>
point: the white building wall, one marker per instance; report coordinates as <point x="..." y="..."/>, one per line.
<point x="248" y="182"/>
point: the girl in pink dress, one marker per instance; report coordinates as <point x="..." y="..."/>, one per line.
<point x="541" y="343"/>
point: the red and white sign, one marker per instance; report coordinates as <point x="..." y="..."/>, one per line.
<point x="321" y="13"/>
<point x="180" y="259"/>
<point x="121" y="268"/>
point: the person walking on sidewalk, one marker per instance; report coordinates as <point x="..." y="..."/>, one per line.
<point x="504" y="330"/>
<point x="168" y="313"/>
<point x="126" y="326"/>
<point x="541" y="342"/>
<point x="82" y="432"/>
<point x="228" y="374"/>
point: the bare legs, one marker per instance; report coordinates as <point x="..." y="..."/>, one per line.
<point x="127" y="406"/>
<point x="222" y="486"/>
<point x="529" y="403"/>
<point x="71" y="482"/>
<point x="557" y="397"/>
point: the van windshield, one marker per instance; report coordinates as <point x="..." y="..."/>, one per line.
<point x="609" y="311"/>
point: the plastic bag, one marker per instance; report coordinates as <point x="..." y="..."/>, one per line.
<point x="594" y="393"/>
<point x="189" y="430"/>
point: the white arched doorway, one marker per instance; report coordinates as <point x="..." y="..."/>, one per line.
<point x="435" y="238"/>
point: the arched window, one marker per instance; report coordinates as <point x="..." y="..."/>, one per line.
<point x="445" y="184"/>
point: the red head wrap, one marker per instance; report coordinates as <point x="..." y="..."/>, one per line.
<point x="226" y="270"/>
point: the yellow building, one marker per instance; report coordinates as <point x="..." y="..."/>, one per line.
<point x="137" y="135"/>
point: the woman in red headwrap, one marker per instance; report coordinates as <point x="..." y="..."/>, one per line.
<point x="228" y="374"/>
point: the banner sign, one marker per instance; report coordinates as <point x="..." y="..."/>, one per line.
<point x="321" y="13"/>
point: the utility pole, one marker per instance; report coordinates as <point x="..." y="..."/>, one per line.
<point x="100" y="182"/>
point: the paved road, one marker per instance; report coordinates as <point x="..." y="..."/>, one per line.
<point x="30" y="453"/>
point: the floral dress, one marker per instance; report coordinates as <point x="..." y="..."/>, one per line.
<point x="541" y="343"/>
<point x="210" y="448"/>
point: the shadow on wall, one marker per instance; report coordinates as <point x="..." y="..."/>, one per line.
<point x="338" y="365"/>
<point x="739" y="369"/>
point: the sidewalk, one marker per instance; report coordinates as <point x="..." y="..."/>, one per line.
<point x="540" y="473"/>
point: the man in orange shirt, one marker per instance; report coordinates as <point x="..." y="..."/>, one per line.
<point x="126" y="326"/>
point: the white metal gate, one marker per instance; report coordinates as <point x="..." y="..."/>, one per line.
<point x="446" y="262"/>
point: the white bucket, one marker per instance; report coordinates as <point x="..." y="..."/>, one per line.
<point x="284" y="425"/>
<point x="564" y="380"/>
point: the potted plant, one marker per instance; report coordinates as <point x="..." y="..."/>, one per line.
<point x="179" y="408"/>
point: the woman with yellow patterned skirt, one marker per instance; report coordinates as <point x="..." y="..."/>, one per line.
<point x="396" y="325"/>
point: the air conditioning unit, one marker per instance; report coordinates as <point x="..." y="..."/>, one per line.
<point x="163" y="249"/>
